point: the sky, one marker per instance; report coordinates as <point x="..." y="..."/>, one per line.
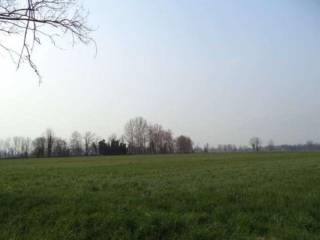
<point x="218" y="71"/>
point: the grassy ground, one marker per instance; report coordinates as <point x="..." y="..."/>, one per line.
<point x="214" y="196"/>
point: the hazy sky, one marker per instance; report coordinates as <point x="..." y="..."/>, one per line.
<point x="218" y="71"/>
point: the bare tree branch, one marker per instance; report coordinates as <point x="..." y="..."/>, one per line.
<point x="34" y="20"/>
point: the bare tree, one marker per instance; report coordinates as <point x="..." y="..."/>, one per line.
<point x="26" y="144"/>
<point x="88" y="140"/>
<point x="9" y="147"/>
<point x="255" y="143"/>
<point x="129" y="135"/>
<point x="17" y="143"/>
<point x="49" y="141"/>
<point x="39" y="146"/>
<point x="60" y="148"/>
<point x="136" y="134"/>
<point x="2" y="149"/>
<point x="33" y="21"/>
<point x="21" y="146"/>
<point x="271" y="145"/>
<point x="160" y="141"/>
<point x="141" y="133"/>
<point x="76" y="143"/>
<point x="155" y="138"/>
<point x="206" y="148"/>
<point x="168" y="142"/>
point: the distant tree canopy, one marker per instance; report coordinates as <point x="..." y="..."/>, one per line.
<point x="144" y="137"/>
<point x="255" y="143"/>
<point x="136" y="134"/>
<point x="140" y="137"/>
<point x="184" y="144"/>
<point x="33" y="21"/>
<point x="114" y="147"/>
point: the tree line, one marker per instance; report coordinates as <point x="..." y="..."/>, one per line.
<point x="140" y="137"/>
<point x="256" y="145"/>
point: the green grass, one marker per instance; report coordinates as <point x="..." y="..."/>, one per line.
<point x="214" y="196"/>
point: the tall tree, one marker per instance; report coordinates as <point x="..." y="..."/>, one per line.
<point x="155" y="138"/>
<point x="168" y="142"/>
<point x="129" y="135"/>
<point x="26" y="145"/>
<point x="255" y="143"/>
<point x="76" y="143"/>
<point x="60" y="148"/>
<point x="136" y="134"/>
<point x="39" y="146"/>
<point x="17" y="144"/>
<point x="49" y="141"/>
<point x="206" y="148"/>
<point x="184" y="144"/>
<point x="271" y="145"/>
<point x="160" y="140"/>
<point x="88" y="140"/>
<point x="9" y="147"/>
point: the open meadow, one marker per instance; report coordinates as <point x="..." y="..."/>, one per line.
<point x="196" y="196"/>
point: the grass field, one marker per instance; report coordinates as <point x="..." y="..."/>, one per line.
<point x="214" y="196"/>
